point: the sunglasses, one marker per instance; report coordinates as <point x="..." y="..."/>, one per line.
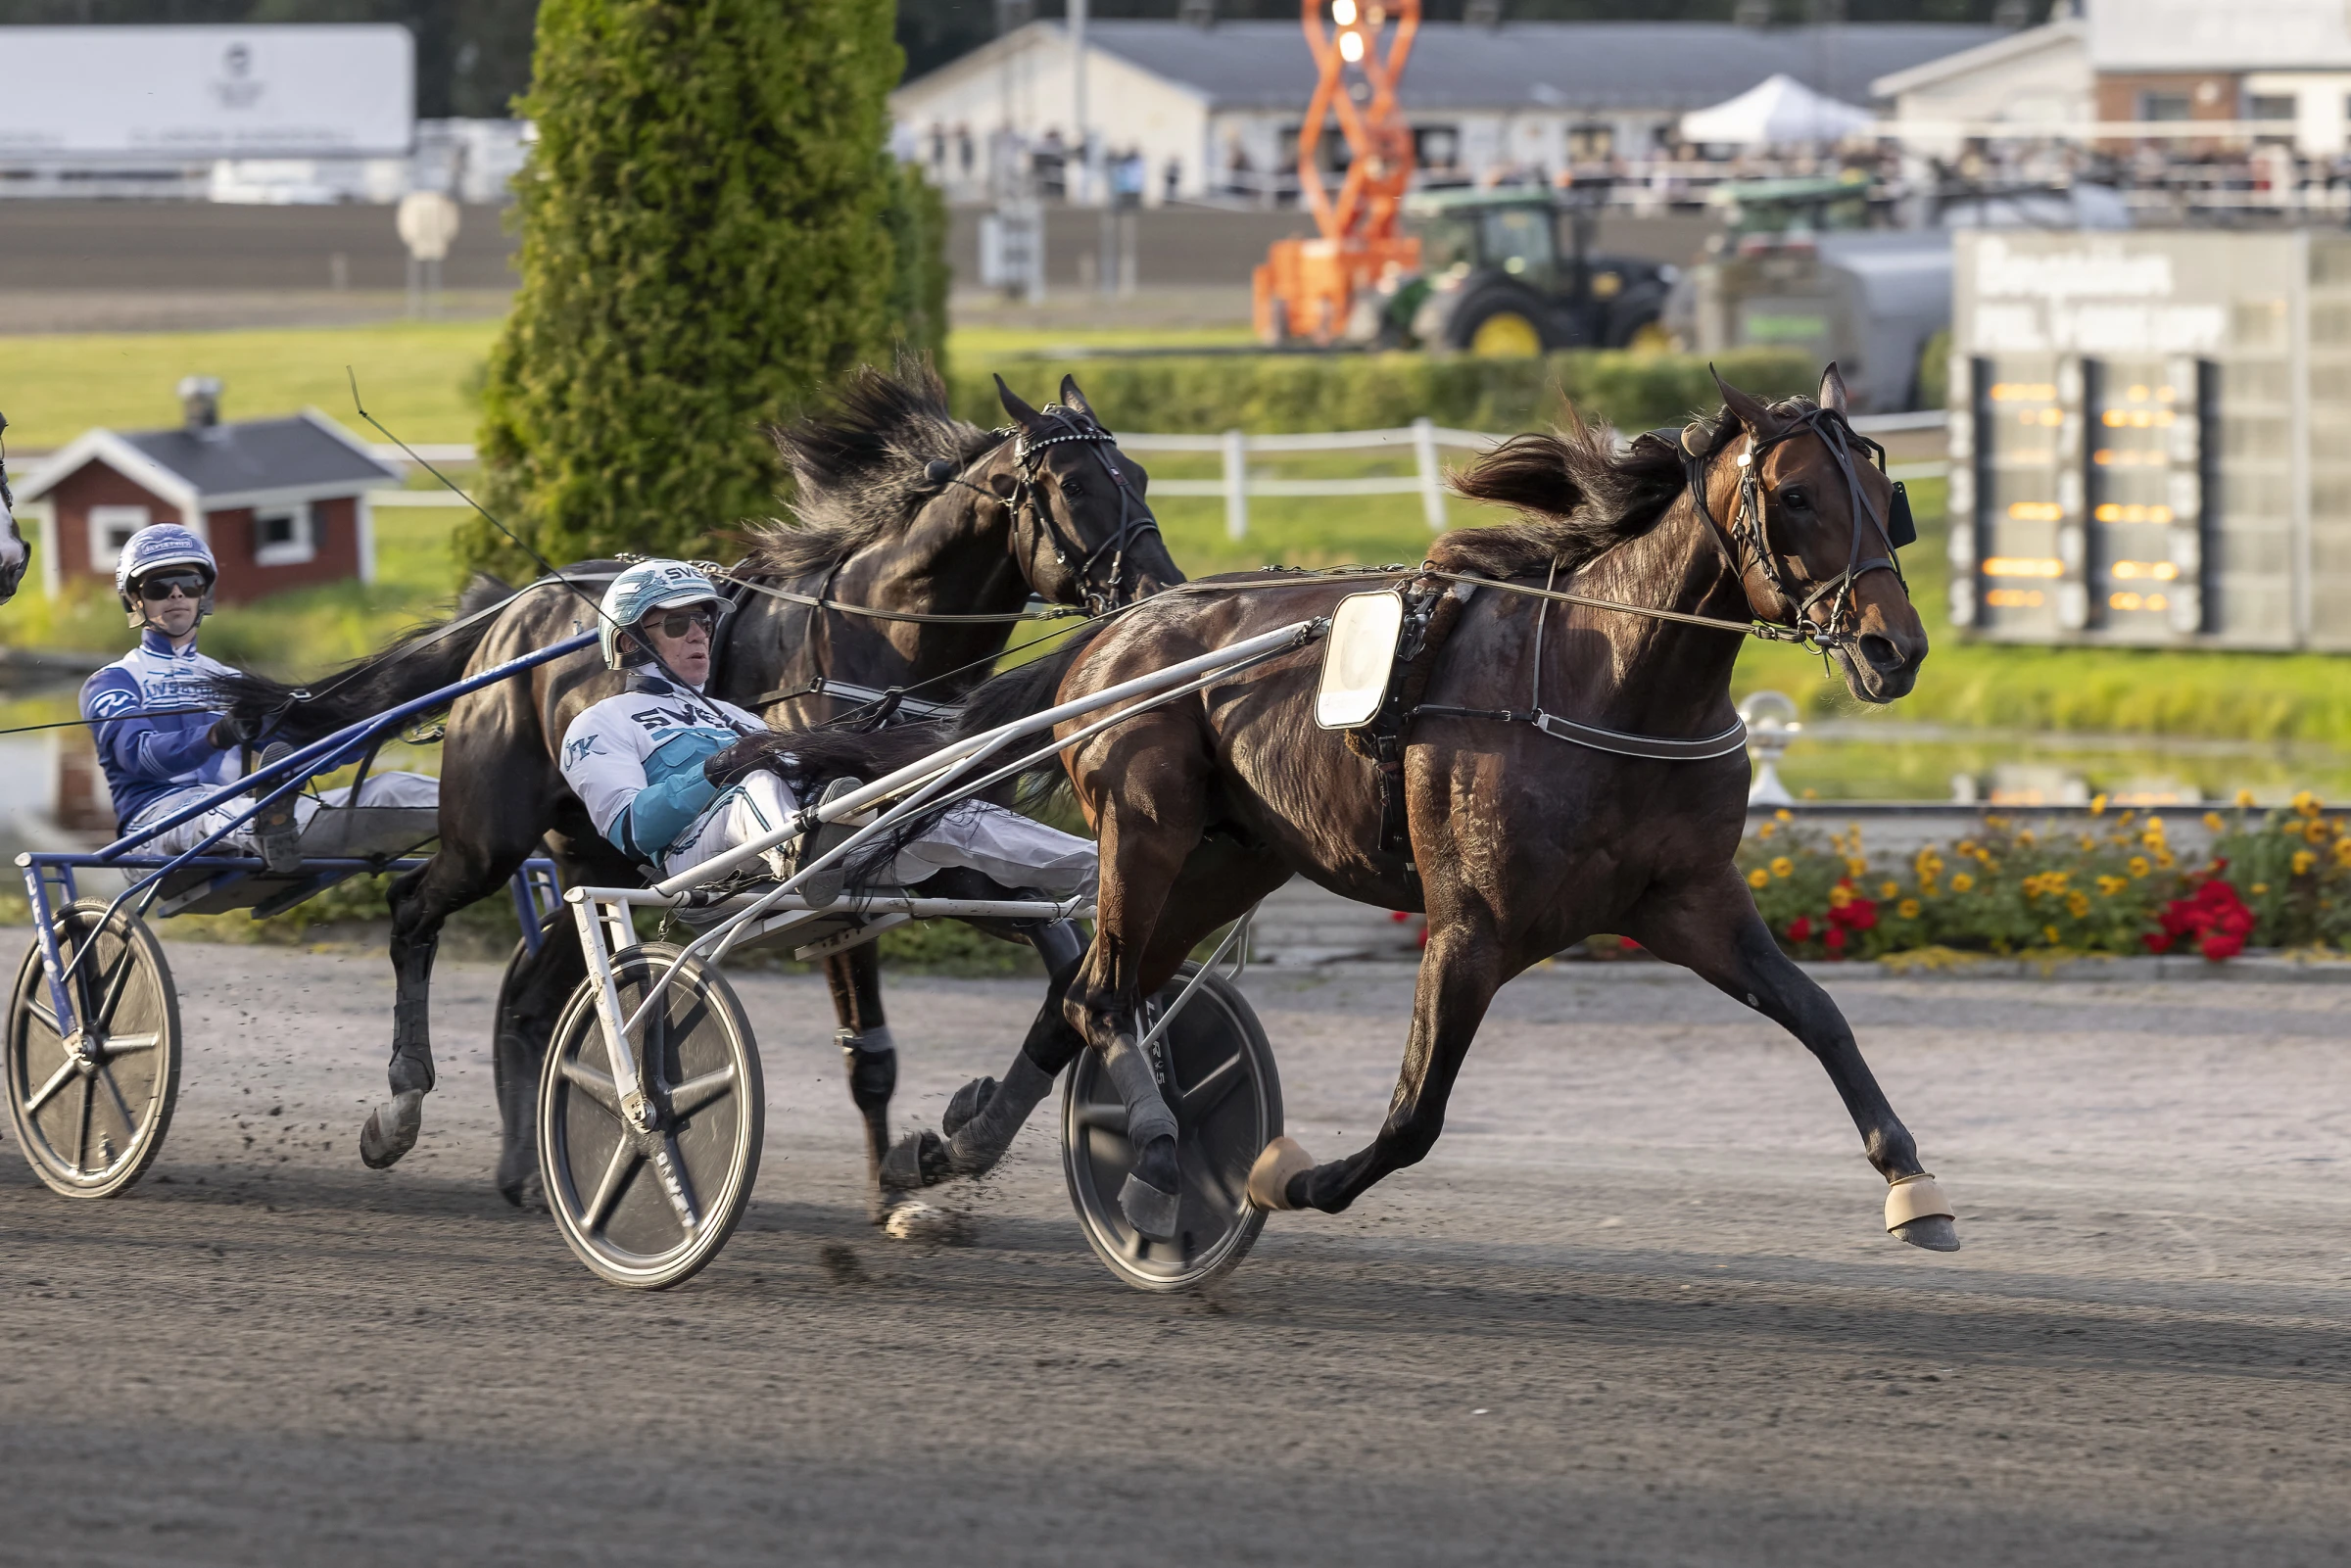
<point x="155" y="590"/>
<point x="677" y="623"/>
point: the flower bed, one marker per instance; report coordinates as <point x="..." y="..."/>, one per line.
<point x="2274" y="879"/>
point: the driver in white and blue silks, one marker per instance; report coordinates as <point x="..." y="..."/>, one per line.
<point x="162" y="744"/>
<point x="659" y="769"/>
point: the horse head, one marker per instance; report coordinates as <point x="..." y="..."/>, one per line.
<point x="1815" y="524"/>
<point x="1081" y="526"/>
<point x="15" y="553"/>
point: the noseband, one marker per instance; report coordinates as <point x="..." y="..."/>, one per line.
<point x="1070" y="428"/>
<point x="1746" y="542"/>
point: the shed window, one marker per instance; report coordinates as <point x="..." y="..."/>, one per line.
<point x="110" y="528"/>
<point x="283" y="536"/>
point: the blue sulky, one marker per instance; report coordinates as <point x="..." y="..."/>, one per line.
<point x="50" y="877"/>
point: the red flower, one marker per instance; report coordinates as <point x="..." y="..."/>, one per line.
<point x="2214" y="914"/>
<point x="1799" y="930"/>
<point x="2218" y="947"/>
<point x="1835" y="941"/>
<point x="1858" y="915"/>
<point x="2158" y="942"/>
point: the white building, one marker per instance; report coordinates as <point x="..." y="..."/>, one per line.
<point x="2040" y="80"/>
<point x="1221" y="106"/>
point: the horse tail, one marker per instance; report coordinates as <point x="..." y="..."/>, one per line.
<point x="422" y="660"/>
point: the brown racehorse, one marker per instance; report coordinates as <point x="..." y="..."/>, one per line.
<point x="1520" y="842"/>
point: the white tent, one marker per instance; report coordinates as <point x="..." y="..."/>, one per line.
<point x="1774" y="112"/>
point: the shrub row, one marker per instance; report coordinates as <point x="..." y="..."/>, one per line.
<point x="2277" y="879"/>
<point x="1278" y="393"/>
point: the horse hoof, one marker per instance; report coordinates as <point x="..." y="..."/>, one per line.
<point x="1936" y="1233"/>
<point x="918" y="1160"/>
<point x="1282" y="1161"/>
<point x="391" y="1130"/>
<point x="528" y="1195"/>
<point x="1149" y="1209"/>
<point x="968" y="1102"/>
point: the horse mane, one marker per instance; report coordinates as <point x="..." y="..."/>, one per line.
<point x="858" y="466"/>
<point x="1578" y="494"/>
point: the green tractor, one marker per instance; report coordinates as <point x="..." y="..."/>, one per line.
<point x="1510" y="273"/>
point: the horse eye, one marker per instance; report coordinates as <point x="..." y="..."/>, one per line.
<point x="1796" y="499"/>
<point x="1071" y="486"/>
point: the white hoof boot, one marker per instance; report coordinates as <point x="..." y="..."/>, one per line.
<point x="391" y="1130"/>
<point x="1269" y="1178"/>
<point x="918" y="1221"/>
<point x="1917" y="1211"/>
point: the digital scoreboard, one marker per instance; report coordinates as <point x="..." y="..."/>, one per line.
<point x="2151" y="438"/>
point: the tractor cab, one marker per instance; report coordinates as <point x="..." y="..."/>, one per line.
<point x="1511" y="273"/>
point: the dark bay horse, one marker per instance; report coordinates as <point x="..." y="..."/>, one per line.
<point x="15" y="554"/>
<point x="1517" y="841"/>
<point x="942" y="528"/>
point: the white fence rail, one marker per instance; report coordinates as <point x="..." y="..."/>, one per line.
<point x="1421" y="439"/>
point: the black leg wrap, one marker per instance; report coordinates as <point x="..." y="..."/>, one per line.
<point x="1152" y="1194"/>
<point x="873" y="1062"/>
<point x="975" y="1148"/>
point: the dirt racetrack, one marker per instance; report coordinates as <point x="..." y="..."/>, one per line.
<point x="1637" y="1308"/>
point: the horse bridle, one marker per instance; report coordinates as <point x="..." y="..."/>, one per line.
<point x="1101" y="593"/>
<point x="1746" y="541"/>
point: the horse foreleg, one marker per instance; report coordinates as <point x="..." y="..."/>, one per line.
<point x="872" y="1059"/>
<point x="1711" y="929"/>
<point x="1460" y="972"/>
<point x="530" y="1003"/>
<point x="391" y="1128"/>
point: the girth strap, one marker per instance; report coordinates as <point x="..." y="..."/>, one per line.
<point x="1653" y="749"/>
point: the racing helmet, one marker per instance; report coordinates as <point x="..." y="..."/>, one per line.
<point x="650" y="586"/>
<point x="153" y="548"/>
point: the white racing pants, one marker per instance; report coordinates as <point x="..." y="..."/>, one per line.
<point x="1002" y="845"/>
<point x="378" y="789"/>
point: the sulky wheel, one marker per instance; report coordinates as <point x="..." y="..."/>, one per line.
<point x="90" y="1121"/>
<point x="1218" y="1075"/>
<point x="647" y="1207"/>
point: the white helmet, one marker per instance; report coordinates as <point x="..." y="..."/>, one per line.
<point x="647" y="586"/>
<point x="151" y="550"/>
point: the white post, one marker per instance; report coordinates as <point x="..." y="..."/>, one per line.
<point x="1080" y="154"/>
<point x="1236" y="484"/>
<point x="1432" y="476"/>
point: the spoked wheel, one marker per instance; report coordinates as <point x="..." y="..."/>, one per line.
<point x="1218" y="1075"/>
<point x="90" y="1121"/>
<point x="647" y="1207"/>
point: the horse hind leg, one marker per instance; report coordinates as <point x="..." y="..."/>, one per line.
<point x="536" y="989"/>
<point x="871" y="1058"/>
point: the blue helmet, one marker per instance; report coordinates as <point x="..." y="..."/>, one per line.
<point x="647" y="586"/>
<point x="155" y="547"/>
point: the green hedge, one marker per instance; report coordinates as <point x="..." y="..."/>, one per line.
<point x="1269" y="393"/>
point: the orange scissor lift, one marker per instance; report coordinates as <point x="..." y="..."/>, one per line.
<point x="1305" y="288"/>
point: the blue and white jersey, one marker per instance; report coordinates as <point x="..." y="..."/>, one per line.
<point x="148" y="755"/>
<point x="636" y="762"/>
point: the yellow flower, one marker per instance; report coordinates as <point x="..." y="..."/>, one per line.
<point x="1839" y="897"/>
<point x="2164" y="860"/>
<point x="2306" y="803"/>
<point x="2097" y="805"/>
<point x="2025" y="839"/>
<point x="1966" y="849"/>
<point x="2303" y="861"/>
<point x="1928" y="863"/>
<point x="2316" y="833"/>
<point x="1928" y="890"/>
<point x="2138" y="866"/>
<point x="1783" y="815"/>
<point x="1855" y="866"/>
<point x="2342" y="851"/>
<point x="2260" y="889"/>
<point x="2048" y="934"/>
<point x="2212" y="820"/>
<point x="1759" y="878"/>
<point x="2108" y="887"/>
<point x="1907" y="909"/>
<point x="1782" y="866"/>
<point x="1962" y="882"/>
<point x="2087" y="843"/>
<point x="2077" y="904"/>
<point x="1767" y="830"/>
<point x="2245" y="798"/>
<point x="1889" y="889"/>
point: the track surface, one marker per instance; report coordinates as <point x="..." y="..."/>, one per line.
<point x="1637" y="1309"/>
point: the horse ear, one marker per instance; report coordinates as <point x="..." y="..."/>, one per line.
<point x="1026" y="417"/>
<point x="1073" y="400"/>
<point x="1831" y="391"/>
<point x="1747" y="410"/>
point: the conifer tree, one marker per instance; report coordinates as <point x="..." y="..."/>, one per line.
<point x="706" y="241"/>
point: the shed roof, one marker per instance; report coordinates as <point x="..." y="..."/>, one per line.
<point x="306" y="457"/>
<point x="1664" y="65"/>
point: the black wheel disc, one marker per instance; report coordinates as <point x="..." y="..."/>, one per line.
<point x="648" y="1210"/>
<point x="90" y="1127"/>
<point x="1219" y="1077"/>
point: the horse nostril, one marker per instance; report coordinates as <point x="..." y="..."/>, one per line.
<point x="1880" y="652"/>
